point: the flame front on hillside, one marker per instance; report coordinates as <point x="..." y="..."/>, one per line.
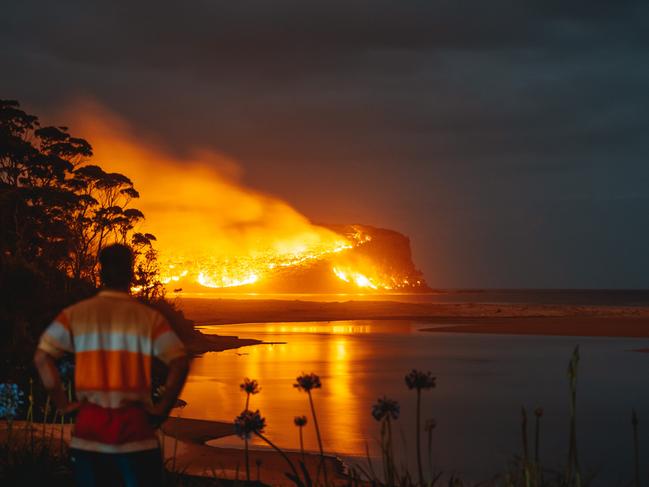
<point x="211" y="230"/>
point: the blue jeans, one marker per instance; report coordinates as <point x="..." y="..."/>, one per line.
<point x="136" y="469"/>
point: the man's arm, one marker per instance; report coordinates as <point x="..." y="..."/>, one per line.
<point x="51" y="378"/>
<point x="178" y="370"/>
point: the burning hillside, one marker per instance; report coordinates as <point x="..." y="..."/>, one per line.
<point x="215" y="233"/>
<point x="367" y="260"/>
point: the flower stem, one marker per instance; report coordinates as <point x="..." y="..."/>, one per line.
<point x="317" y="430"/>
<point x="302" y="446"/>
<point x="430" y="454"/>
<point x="636" y="453"/>
<point x="247" y="459"/>
<point x="278" y="450"/>
<point x="419" y="467"/>
<point x="245" y="440"/>
<point x="537" y="440"/>
<point x="524" y="434"/>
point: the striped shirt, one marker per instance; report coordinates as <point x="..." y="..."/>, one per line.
<point x="114" y="338"/>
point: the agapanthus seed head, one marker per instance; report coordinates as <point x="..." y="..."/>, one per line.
<point x="11" y="398"/>
<point x="250" y="386"/>
<point x="417" y="379"/>
<point x="385" y="408"/>
<point x="247" y="423"/>
<point x="307" y="382"/>
<point x="538" y="412"/>
<point x="300" y="421"/>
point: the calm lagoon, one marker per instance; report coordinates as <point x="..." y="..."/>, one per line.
<point x="482" y="382"/>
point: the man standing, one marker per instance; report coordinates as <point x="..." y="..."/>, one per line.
<point x="114" y="338"/>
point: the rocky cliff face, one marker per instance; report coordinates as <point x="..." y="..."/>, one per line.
<point x="383" y="254"/>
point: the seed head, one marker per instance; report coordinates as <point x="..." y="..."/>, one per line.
<point x="306" y="382"/>
<point x="385" y="408"/>
<point x="250" y="386"/>
<point x="419" y="380"/>
<point x="248" y="423"/>
<point x="11" y="398"/>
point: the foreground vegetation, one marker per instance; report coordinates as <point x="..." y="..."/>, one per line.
<point x="27" y="457"/>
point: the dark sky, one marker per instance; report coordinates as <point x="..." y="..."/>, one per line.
<point x="509" y="140"/>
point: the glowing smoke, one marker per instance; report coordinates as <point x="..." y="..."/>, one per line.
<point x="206" y="222"/>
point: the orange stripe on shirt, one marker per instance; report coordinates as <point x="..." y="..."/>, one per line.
<point x="63" y="320"/>
<point x="112" y="370"/>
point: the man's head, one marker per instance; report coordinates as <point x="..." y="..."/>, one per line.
<point x="116" y="266"/>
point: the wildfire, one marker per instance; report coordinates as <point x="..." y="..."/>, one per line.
<point x="355" y="277"/>
<point x="240" y="271"/>
<point x="237" y="271"/>
<point x="224" y="280"/>
<point x="211" y="230"/>
<point x="373" y="279"/>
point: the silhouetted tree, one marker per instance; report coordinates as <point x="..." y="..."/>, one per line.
<point x="57" y="211"/>
<point x="147" y="271"/>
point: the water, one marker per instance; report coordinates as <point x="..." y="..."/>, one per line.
<point x="482" y="382"/>
<point x="584" y="297"/>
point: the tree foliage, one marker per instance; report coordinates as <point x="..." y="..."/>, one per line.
<point x="57" y="209"/>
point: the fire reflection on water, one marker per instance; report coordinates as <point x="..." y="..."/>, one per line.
<point x="482" y="382"/>
<point x="212" y="391"/>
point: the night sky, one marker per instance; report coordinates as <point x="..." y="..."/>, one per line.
<point x="509" y="140"/>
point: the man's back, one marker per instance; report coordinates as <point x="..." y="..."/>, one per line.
<point x="114" y="338"/>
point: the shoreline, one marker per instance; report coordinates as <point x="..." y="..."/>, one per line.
<point x="515" y="319"/>
<point x="202" y="343"/>
<point x="576" y="326"/>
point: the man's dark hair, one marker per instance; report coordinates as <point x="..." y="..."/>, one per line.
<point x="116" y="266"/>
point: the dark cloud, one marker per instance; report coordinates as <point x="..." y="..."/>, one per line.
<point x="507" y="138"/>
